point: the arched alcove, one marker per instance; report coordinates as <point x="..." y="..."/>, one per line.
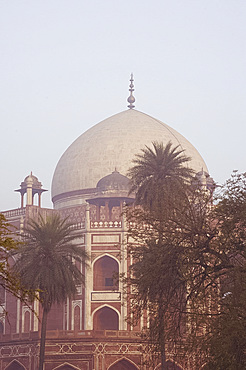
<point x="77" y="317"/>
<point x="15" y="365"/>
<point x="27" y="321"/>
<point x="1" y="327"/>
<point x="106" y="319"/>
<point x="170" y="366"/>
<point x="65" y="366"/>
<point x="123" y="364"/>
<point x="2" y="293"/>
<point x="105" y="274"/>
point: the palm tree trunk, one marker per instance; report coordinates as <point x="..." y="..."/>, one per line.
<point x="43" y="338"/>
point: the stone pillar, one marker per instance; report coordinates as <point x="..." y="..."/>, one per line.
<point x="29" y="196"/>
<point x="39" y="199"/>
<point x="97" y="212"/>
<point x="88" y="272"/>
<point x="123" y="270"/>
<point x="22" y="200"/>
<point x="107" y="211"/>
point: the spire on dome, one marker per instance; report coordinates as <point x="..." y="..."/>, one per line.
<point x="131" y="98"/>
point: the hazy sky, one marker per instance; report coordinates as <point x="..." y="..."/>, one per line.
<point x="65" y="66"/>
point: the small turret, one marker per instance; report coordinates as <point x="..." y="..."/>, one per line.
<point x="204" y="181"/>
<point x="30" y="186"/>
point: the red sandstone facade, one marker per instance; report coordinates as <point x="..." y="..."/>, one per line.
<point x="90" y="331"/>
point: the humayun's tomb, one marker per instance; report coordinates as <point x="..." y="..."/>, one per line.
<point x="89" y="187"/>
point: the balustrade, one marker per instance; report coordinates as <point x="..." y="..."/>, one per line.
<point x="14" y="212"/>
<point x="105" y="224"/>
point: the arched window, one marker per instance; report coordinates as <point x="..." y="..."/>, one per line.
<point x="123" y="365"/>
<point x="27" y="319"/>
<point x="77" y="318"/>
<point x="105" y="274"/>
<point x="1" y="328"/>
<point x="106" y="319"/>
<point x="2" y="293"/>
<point x="171" y="366"/>
<point x="66" y="367"/>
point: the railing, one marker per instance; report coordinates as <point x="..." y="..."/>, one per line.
<point x="69" y="334"/>
<point x="14" y="212"/>
<point x="105" y="224"/>
<point x="78" y="226"/>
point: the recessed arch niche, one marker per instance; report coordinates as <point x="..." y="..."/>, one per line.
<point x="66" y="366"/>
<point x="105" y="274"/>
<point x="170" y="366"/>
<point x="1" y="327"/>
<point x="106" y="319"/>
<point x="15" y="365"/>
<point x="123" y="364"/>
<point x="27" y="322"/>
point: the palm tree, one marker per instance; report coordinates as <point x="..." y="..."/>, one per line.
<point x="159" y="174"/>
<point x="160" y="177"/>
<point x="47" y="263"/>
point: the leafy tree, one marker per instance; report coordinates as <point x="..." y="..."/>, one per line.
<point x="47" y="263"/>
<point x="214" y="267"/>
<point x="226" y="338"/>
<point x="155" y="272"/>
<point x="188" y="263"/>
<point x="171" y="271"/>
<point x="8" y="279"/>
<point x="161" y="179"/>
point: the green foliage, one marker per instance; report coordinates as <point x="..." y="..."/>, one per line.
<point x="156" y="172"/>
<point x="188" y="262"/>
<point x="226" y="337"/>
<point x="160" y="177"/>
<point x="47" y="264"/>
<point x="47" y="260"/>
<point x="8" y="279"/>
<point x="169" y="255"/>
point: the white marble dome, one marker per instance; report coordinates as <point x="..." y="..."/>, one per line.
<point x="110" y="145"/>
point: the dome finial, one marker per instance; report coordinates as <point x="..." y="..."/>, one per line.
<point x="131" y="98"/>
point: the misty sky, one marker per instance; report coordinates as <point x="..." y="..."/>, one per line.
<point x="65" y="66"/>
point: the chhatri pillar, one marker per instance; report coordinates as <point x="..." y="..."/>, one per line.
<point x="30" y="186"/>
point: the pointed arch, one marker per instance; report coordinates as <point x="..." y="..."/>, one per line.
<point x="15" y="365"/>
<point x="123" y="364"/>
<point x="171" y="365"/>
<point x="105" y="305"/>
<point x="2" y="292"/>
<point x="106" y="318"/>
<point x="105" y="255"/>
<point x="1" y="327"/>
<point x="76" y="315"/>
<point x="27" y="321"/>
<point x="66" y="366"/>
<point x="105" y="273"/>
